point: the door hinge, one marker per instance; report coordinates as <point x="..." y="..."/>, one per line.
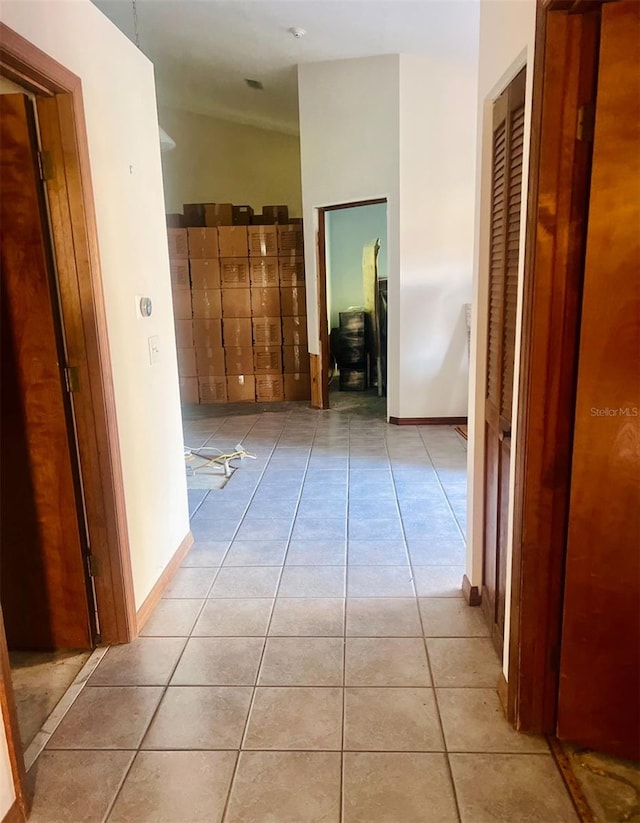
<point x="72" y="378"/>
<point x="586" y="123"/>
<point x="93" y="565"/>
<point x="45" y="165"/>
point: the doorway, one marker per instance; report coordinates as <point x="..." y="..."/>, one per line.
<point x="62" y="446"/>
<point x="352" y="295"/>
<point x="574" y="631"/>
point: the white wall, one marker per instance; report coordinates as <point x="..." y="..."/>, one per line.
<point x="507" y="32"/>
<point x="347" y="232"/>
<point x="437" y="187"/>
<point x="119" y="100"/>
<point x="218" y="161"/>
<point x="349" y="144"/>
<point x="403" y="128"/>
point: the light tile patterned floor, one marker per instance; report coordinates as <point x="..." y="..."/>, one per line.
<point x="313" y="660"/>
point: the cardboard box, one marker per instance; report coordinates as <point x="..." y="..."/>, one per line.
<point x="291" y="270"/>
<point x="205" y="274"/>
<point x="184" y="334"/>
<point x="297" y="221"/>
<point x="207" y="334"/>
<point x="290" y="240"/>
<point x="179" y="270"/>
<point x="187" y="363"/>
<point x="294" y="331"/>
<point x="267" y="359"/>
<point x="188" y="389"/>
<point x="276" y="214"/>
<point x="182" y="304"/>
<point x="295" y="360"/>
<point x="263" y="241"/>
<point x="267" y="331"/>
<point x="175" y="221"/>
<point x="236" y="302"/>
<point x="193" y="214"/>
<point x="260" y="220"/>
<point x="242" y="215"/>
<point x="208" y="214"/>
<point x="233" y="241"/>
<point x="213" y="389"/>
<point x="203" y="243"/>
<point x="210" y="361"/>
<point x="236" y="333"/>
<point x="234" y="273"/>
<point x="264" y="271"/>
<point x="269" y="388"/>
<point x="218" y="214"/>
<point x="206" y="304"/>
<point x="238" y="360"/>
<point x="241" y="388"/>
<point x="297" y="387"/>
<point x="293" y="301"/>
<point x="265" y="302"/>
<point x="178" y="248"/>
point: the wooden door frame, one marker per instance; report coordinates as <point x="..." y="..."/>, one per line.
<point x="564" y="76"/>
<point x="320" y="362"/>
<point x="74" y="234"/>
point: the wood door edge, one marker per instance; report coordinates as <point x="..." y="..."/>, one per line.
<point x="535" y="620"/>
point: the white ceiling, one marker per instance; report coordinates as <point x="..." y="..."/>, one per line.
<point x="203" y="49"/>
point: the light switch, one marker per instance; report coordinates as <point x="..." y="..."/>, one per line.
<point x="154" y="349"/>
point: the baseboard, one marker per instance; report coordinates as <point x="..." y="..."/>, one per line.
<point x="154" y="596"/>
<point x="428" y="421"/>
<point x="471" y="593"/>
<point x="15" y="814"/>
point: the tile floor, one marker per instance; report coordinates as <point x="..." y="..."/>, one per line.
<point x="313" y="660"/>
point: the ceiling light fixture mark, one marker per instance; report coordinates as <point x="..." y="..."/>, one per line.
<point x="297" y="32"/>
<point x="254" y="84"/>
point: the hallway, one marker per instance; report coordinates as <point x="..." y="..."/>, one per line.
<point x="313" y="659"/>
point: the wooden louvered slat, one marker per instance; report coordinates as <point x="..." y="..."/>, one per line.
<point x="497" y="258"/>
<point x="515" y="161"/>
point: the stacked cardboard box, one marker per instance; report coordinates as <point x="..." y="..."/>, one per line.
<point x="240" y="312"/>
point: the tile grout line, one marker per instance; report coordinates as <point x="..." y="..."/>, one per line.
<point x="165" y="688"/>
<point x="444" y="491"/>
<point x="267" y="629"/>
<point x="426" y="650"/>
<point x="344" y="624"/>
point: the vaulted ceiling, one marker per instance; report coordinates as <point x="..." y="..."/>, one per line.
<point x="204" y="49"/>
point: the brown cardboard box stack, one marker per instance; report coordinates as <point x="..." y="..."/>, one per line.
<point x="240" y="305"/>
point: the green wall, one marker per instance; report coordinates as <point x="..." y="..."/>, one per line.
<point x="347" y="231"/>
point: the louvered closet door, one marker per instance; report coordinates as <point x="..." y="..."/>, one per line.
<point x="506" y="191"/>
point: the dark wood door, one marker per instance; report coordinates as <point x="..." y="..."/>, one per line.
<point x="43" y="582"/>
<point x="506" y="195"/>
<point x="599" y="698"/>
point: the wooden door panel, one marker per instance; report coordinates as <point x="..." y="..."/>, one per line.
<point x="43" y="583"/>
<point x="504" y="253"/>
<point x="599" y="698"/>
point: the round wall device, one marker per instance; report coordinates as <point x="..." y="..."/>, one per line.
<point x="146" y="306"/>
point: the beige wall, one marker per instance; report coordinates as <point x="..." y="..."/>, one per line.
<point x="507" y="33"/>
<point x="121" y="118"/>
<point x="218" y="161"/>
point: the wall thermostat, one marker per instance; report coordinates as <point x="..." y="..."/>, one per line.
<point x="146" y="306"/>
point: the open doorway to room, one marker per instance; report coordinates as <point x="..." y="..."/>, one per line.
<point x="65" y="575"/>
<point x="352" y="295"/>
